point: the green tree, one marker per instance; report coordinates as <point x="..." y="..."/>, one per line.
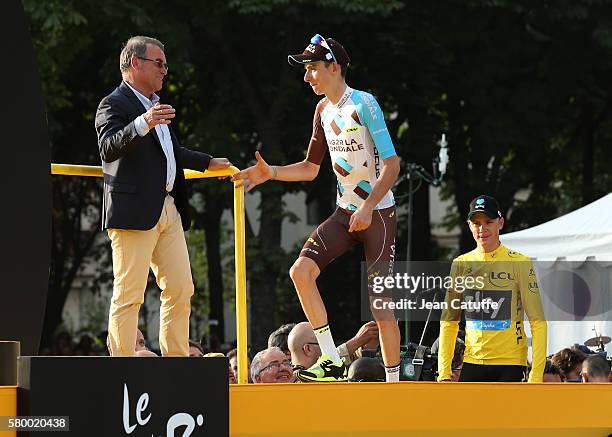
<point x="521" y="88"/>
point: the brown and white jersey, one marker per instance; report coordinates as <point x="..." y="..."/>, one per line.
<point x="355" y="132"/>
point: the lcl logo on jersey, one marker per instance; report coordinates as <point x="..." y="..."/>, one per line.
<point x="501" y="279"/>
<point x="352" y="129"/>
<point x="502" y="276"/>
<point x="518" y="331"/>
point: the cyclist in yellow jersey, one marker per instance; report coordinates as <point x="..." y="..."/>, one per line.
<point x="495" y="340"/>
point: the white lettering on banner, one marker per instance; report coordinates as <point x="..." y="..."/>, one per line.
<point x="142" y="404"/>
<point x="176" y="421"/>
<point x="126" y="411"/>
<point x="182" y="419"/>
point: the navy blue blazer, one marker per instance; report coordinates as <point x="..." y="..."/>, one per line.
<point x="135" y="167"/>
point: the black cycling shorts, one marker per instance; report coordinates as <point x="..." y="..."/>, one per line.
<point x="491" y="373"/>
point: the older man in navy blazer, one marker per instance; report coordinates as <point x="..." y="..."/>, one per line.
<point x="145" y="204"/>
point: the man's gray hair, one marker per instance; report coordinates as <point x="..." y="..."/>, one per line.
<point x="135" y="46"/>
<point x="257" y="363"/>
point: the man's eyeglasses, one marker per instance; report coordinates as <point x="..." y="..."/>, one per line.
<point x="158" y="62"/>
<point x="276" y="365"/>
<point x="320" y="41"/>
<point x="310" y="342"/>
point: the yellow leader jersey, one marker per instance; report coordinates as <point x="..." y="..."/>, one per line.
<point x="494" y="336"/>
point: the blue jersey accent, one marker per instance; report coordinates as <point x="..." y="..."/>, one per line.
<point x="345" y="165"/>
<point x="369" y="111"/>
<point x="364" y="185"/>
<point x="488" y="325"/>
<point x="339" y="122"/>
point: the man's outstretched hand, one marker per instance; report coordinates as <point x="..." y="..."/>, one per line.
<point x="254" y="175"/>
<point x="159" y="114"/>
<point x="219" y="164"/>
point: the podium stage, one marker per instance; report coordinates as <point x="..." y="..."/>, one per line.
<point x="112" y="400"/>
<point x="421" y="409"/>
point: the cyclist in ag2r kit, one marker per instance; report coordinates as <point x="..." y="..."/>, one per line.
<point x="350" y="125"/>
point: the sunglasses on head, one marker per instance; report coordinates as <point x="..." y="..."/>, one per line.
<point x="320" y="41"/>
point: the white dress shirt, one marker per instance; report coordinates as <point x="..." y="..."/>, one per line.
<point x="163" y="134"/>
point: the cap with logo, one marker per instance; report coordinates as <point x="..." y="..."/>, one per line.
<point x="320" y="49"/>
<point x="485" y="204"/>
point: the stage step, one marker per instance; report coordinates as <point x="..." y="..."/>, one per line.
<point x="322" y="410"/>
<point x="420" y="409"/>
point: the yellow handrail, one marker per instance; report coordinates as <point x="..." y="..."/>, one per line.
<point x="239" y="248"/>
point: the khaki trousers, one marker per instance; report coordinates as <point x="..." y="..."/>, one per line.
<point x="164" y="249"/>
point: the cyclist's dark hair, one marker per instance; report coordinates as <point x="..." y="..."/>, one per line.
<point x="343" y="68"/>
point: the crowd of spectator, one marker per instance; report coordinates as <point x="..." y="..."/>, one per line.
<point x="86" y="344"/>
<point x="294" y="345"/>
<point x="578" y="364"/>
<point x="298" y="343"/>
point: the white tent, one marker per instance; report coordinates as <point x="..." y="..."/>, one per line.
<point x="584" y="234"/>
